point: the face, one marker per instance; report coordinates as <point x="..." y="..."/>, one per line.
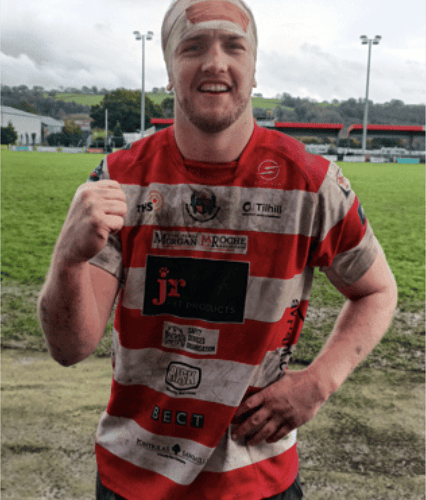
<point x="213" y="76"/>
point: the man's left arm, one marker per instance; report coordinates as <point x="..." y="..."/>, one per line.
<point x="296" y="398"/>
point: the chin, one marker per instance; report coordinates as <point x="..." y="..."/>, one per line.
<point x="212" y="121"/>
<point x="212" y="126"/>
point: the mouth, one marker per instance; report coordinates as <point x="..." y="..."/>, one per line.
<point x="214" y="88"/>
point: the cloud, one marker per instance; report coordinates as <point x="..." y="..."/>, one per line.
<point x="78" y="42"/>
<point x="35" y="52"/>
<point x="311" y="72"/>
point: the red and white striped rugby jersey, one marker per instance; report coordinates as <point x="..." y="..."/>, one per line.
<point x="216" y="266"/>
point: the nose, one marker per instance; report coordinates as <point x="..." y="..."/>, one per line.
<point x="215" y="60"/>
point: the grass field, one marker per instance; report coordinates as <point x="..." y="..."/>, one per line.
<point x="363" y="445"/>
<point x="85" y="100"/>
<point x="156" y="98"/>
<point x="366" y="444"/>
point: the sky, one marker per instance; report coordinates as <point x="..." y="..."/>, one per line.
<point x="307" y="48"/>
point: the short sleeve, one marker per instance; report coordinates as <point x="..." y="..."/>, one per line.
<point x="345" y="246"/>
<point x="110" y="257"/>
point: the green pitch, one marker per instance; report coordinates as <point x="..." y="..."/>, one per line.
<point x="37" y="189"/>
<point x="393" y="198"/>
<point x="367" y="442"/>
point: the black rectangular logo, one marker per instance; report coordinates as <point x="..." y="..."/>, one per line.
<point x="212" y="290"/>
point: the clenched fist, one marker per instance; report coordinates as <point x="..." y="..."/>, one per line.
<point x="97" y="210"/>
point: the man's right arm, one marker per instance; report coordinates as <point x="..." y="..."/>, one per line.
<point x="76" y="301"/>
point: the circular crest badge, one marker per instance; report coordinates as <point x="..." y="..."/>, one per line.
<point x="203" y="205"/>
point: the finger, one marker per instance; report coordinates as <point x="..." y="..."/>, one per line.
<point x="288" y="425"/>
<point x="279" y="434"/>
<point x="107" y="187"/>
<point x="262" y="434"/>
<point x="249" y="404"/>
<point x="94" y="196"/>
<point x="252" y="424"/>
<point x="108" y="183"/>
<point x="113" y="194"/>
<point x="115" y="207"/>
<point x="114" y="223"/>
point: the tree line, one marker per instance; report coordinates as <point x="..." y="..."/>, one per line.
<point x="289" y="109"/>
<point x="124" y="111"/>
<point x="34" y="101"/>
<point x="298" y="110"/>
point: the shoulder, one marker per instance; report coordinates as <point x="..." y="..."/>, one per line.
<point x="138" y="153"/>
<point x="305" y="167"/>
<point x="140" y="148"/>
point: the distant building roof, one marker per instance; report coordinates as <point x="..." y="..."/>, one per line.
<point x="266" y="123"/>
<point x="162" y="121"/>
<point x="333" y="126"/>
<point x="13" y="111"/>
<point x="48" y="120"/>
<point x="388" y="128"/>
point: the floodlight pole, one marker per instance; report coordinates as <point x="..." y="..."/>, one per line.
<point x="369" y="41"/>
<point x="106" y="130"/>
<point x="138" y="36"/>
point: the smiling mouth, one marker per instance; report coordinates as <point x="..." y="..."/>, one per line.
<point x="214" y="88"/>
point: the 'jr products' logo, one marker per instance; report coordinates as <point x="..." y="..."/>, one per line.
<point x="167" y="291"/>
<point x="185" y="287"/>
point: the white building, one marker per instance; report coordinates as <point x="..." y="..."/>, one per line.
<point x="51" y="125"/>
<point x="26" y="125"/>
<point x="29" y="126"/>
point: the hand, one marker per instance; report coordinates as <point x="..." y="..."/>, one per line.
<point x="275" y="411"/>
<point x="97" y="209"/>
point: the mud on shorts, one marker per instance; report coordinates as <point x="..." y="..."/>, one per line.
<point x="292" y="493"/>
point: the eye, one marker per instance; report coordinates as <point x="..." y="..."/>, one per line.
<point x="192" y="48"/>
<point x="236" y="47"/>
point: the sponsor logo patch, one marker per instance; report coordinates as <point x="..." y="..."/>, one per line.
<point x="293" y="321"/>
<point x="185" y="287"/>
<point x="190" y="338"/>
<point x="183" y="377"/>
<point x="361" y="214"/>
<point x="268" y="170"/>
<point x="262" y="210"/>
<point x="206" y="242"/>
<point x="154" y="202"/>
<point x="175" y="452"/>
<point x="344" y="185"/>
<point x="182" y="418"/>
<point x="96" y="174"/>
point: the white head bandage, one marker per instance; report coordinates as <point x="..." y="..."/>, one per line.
<point x="186" y="17"/>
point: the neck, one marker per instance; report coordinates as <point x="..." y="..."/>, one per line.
<point x="221" y="147"/>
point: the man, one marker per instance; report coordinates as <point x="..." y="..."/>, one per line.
<point x="209" y="232"/>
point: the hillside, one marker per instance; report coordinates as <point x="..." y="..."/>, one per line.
<point x="156" y="98"/>
<point x="283" y="108"/>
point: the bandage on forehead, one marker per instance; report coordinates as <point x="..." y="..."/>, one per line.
<point x="186" y="17"/>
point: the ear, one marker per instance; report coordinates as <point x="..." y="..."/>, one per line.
<point x="169" y="86"/>
<point x="254" y="83"/>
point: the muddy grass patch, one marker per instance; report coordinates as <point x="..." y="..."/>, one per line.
<point x="402" y="347"/>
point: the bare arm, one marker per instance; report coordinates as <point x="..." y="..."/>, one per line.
<point x="77" y="298"/>
<point x="296" y="398"/>
<point x="360" y="326"/>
